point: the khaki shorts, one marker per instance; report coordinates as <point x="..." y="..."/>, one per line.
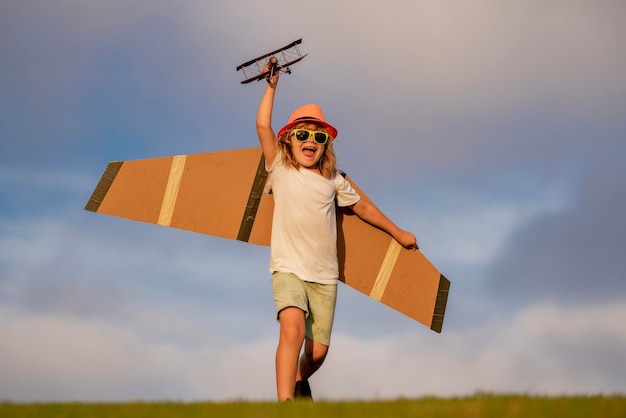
<point x="316" y="300"/>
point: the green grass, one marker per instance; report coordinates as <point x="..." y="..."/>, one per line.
<point x="496" y="406"/>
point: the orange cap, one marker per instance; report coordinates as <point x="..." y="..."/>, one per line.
<point x="308" y="113"/>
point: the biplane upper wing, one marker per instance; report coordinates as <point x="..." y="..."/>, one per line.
<point x="284" y="57"/>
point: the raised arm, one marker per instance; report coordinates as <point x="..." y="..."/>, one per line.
<point x="367" y="211"/>
<point x="267" y="137"/>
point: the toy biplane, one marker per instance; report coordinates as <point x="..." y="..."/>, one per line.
<point x="279" y="61"/>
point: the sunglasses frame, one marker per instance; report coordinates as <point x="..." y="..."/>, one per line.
<point x="310" y="134"/>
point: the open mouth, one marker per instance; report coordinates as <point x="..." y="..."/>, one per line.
<point x="309" y="151"/>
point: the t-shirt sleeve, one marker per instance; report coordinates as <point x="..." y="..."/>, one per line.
<point x="346" y="195"/>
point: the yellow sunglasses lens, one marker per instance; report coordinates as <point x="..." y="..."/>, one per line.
<point x="318" y="136"/>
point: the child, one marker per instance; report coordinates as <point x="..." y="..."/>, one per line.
<point x="303" y="260"/>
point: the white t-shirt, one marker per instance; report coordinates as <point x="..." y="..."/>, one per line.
<point x="304" y="226"/>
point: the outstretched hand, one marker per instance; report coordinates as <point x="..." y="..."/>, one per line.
<point x="407" y="240"/>
<point x="367" y="211"/>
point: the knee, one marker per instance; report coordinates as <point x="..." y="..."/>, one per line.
<point x="291" y="333"/>
<point x="320" y="355"/>
<point x="292" y="328"/>
<point x="317" y="353"/>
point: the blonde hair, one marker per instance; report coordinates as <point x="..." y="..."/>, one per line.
<point x="328" y="161"/>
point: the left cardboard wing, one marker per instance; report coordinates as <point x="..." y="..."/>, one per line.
<point x="221" y="194"/>
<point x="214" y="193"/>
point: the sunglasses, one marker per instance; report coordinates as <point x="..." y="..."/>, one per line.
<point x="318" y="136"/>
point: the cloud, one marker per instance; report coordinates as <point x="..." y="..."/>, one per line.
<point x="473" y="86"/>
<point x="57" y="357"/>
<point x="161" y="321"/>
<point x="546" y="349"/>
<point x="532" y="351"/>
<point x="449" y="82"/>
<point x="573" y="255"/>
<point x="102" y="77"/>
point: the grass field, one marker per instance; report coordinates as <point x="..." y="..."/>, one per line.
<point x="496" y="406"/>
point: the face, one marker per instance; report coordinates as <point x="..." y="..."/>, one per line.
<point x="309" y="152"/>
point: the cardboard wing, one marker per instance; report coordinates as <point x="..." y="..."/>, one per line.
<point x="221" y="194"/>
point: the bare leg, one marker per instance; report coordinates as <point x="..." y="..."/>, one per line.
<point x="312" y="358"/>
<point x="292" y="332"/>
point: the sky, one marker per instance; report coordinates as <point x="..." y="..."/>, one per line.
<point x="494" y="131"/>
